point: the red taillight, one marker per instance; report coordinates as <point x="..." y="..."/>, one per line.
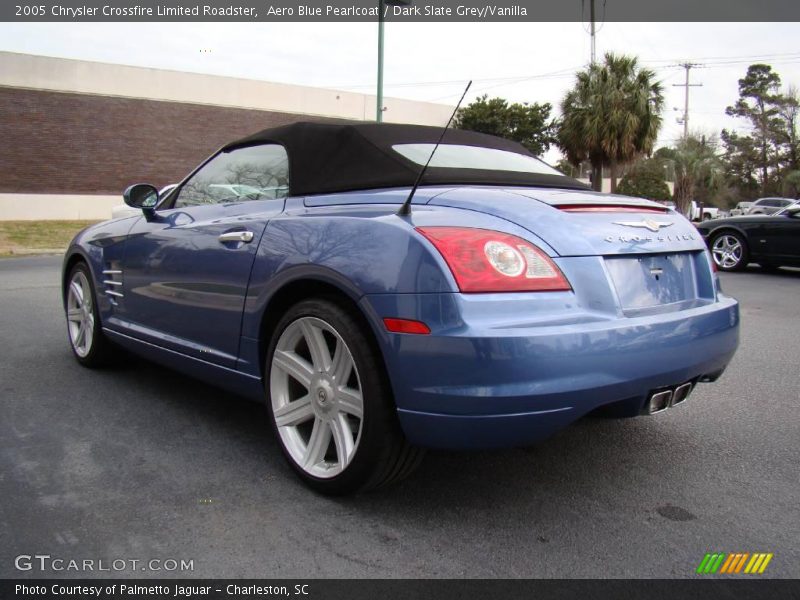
<point x="617" y="208"/>
<point x="489" y="261"/>
<point x="406" y="326"/>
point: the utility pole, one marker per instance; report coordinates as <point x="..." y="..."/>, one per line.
<point x="379" y="99"/>
<point x="593" y="31"/>
<point x="688" y="67"/>
<point x="382" y="4"/>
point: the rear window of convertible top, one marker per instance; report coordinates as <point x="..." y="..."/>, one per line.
<point x="456" y="156"/>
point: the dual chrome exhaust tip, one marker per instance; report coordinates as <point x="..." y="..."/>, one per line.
<point x="664" y="399"/>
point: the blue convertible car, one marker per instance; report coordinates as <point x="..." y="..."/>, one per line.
<point x="503" y="303"/>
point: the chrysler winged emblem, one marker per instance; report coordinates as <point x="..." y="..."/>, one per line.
<point x="653" y="226"/>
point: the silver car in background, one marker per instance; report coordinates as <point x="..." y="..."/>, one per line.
<point x="768" y="206"/>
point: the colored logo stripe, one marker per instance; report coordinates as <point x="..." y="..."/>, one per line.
<point x="734" y="562"/>
<point x="732" y="558"/>
<point x="710" y="563"/>
<point x="758" y="563"/>
<point x="740" y="564"/>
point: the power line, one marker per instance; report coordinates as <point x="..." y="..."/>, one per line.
<point x="441" y="83"/>
<point x="671" y="64"/>
<point x="708" y="62"/>
<point x="562" y="74"/>
<point x="744" y="57"/>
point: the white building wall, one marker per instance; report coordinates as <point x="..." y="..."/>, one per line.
<point x="56" y="207"/>
<point x="84" y="77"/>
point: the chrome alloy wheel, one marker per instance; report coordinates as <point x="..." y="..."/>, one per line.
<point x="80" y="316"/>
<point x="316" y="397"/>
<point x="727" y="251"/>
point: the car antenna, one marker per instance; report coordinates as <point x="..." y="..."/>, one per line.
<point x="405" y="209"/>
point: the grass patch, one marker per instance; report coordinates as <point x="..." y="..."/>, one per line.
<point x="32" y="237"/>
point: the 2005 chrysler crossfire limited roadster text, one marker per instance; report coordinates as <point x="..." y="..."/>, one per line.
<point x="503" y="303"/>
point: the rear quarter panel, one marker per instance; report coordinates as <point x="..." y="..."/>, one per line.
<point x="360" y="249"/>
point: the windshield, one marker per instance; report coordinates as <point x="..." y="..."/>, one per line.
<point x="786" y="209"/>
<point x="451" y="156"/>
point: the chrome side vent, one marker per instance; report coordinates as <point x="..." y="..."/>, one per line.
<point x="112" y="282"/>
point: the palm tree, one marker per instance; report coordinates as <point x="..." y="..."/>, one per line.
<point x="696" y="163"/>
<point x="611" y="116"/>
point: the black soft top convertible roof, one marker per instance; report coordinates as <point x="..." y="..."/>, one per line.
<point x="326" y="158"/>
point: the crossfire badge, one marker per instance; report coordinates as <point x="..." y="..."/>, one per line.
<point x="653" y="226"/>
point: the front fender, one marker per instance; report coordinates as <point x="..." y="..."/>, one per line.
<point x="73" y="255"/>
<point x="97" y="245"/>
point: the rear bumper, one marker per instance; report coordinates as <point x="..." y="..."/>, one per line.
<point x="478" y="384"/>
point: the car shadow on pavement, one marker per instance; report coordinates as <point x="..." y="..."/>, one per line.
<point x="592" y="459"/>
<point x="171" y="455"/>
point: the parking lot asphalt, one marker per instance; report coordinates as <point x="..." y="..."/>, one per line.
<point x="138" y="462"/>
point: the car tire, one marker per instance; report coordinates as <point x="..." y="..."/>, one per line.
<point x="330" y="402"/>
<point x="89" y="345"/>
<point x="729" y="251"/>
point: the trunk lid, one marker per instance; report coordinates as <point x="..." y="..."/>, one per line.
<point x="578" y="223"/>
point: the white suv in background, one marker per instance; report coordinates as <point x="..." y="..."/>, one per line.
<point x="741" y="209"/>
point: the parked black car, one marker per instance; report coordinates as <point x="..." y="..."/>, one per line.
<point x="770" y="240"/>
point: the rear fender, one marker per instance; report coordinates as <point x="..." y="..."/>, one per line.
<point x="352" y="255"/>
<point x="369" y="252"/>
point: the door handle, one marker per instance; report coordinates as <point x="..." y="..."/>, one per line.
<point x="236" y="236"/>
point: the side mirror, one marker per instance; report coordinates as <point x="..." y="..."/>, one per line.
<point x="793" y="212"/>
<point x="144" y="196"/>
